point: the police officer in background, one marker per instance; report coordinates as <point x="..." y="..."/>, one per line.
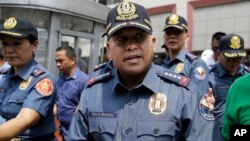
<point x="224" y="73"/>
<point x="136" y="100"/>
<point x="27" y="90"/>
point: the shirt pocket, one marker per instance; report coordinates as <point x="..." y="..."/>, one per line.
<point x="16" y="101"/>
<point x="156" y="130"/>
<point x="102" y="129"/>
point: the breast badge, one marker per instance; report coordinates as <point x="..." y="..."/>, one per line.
<point x="179" y="67"/>
<point x="157" y="103"/>
<point x="25" y="83"/>
<point x="45" y="87"/>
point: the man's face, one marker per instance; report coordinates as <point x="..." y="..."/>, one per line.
<point x="230" y="64"/>
<point x="132" y="50"/>
<point x="174" y="38"/>
<point x="63" y="62"/>
<point x="18" y="52"/>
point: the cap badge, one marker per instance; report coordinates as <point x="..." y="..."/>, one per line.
<point x="179" y="67"/>
<point x="126" y="11"/>
<point x="157" y="103"/>
<point x="235" y="42"/>
<point x="10" y="23"/>
<point x="173" y="19"/>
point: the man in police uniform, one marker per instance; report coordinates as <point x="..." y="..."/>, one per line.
<point x="136" y="100"/>
<point x="181" y="61"/>
<point x="27" y="89"/>
<point x="224" y="73"/>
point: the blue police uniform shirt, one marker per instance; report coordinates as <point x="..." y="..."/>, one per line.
<point x="190" y="66"/>
<point x="68" y="96"/>
<point x="154" y="110"/>
<point x="31" y="88"/>
<point x="220" y="82"/>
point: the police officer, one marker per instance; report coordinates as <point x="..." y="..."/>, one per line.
<point x="224" y="73"/>
<point x="27" y="88"/>
<point x="237" y="105"/>
<point x="135" y="100"/>
<point x="181" y="61"/>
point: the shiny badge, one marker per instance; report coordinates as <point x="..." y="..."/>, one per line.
<point x="235" y="42"/>
<point x="200" y="73"/>
<point x="10" y="23"/>
<point x="126" y="11"/>
<point x="45" y="87"/>
<point x="173" y="19"/>
<point x="204" y="109"/>
<point x="157" y="103"/>
<point x="25" y="83"/>
<point x="179" y="67"/>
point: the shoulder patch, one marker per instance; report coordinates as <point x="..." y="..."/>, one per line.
<point x="97" y="67"/>
<point x="191" y="56"/>
<point x="175" y="77"/>
<point x="45" y="87"/>
<point x="100" y="78"/>
<point x="37" y="72"/>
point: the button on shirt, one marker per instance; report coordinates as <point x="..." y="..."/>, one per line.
<point x="195" y="68"/>
<point x="68" y="96"/>
<point x="110" y="112"/>
<point x="20" y="90"/>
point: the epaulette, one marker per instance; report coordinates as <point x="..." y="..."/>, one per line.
<point x="97" y="67"/>
<point x="174" y="77"/>
<point x="100" y="78"/>
<point x="191" y="56"/>
<point x="37" y="72"/>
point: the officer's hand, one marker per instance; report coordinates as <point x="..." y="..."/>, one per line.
<point x="209" y="97"/>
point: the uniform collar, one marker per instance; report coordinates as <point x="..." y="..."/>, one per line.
<point x="25" y="72"/>
<point x="180" y="57"/>
<point x="147" y="82"/>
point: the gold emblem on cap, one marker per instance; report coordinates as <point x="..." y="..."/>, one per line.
<point x="126" y="11"/>
<point x="179" y="67"/>
<point x="235" y="42"/>
<point x="25" y="83"/>
<point x="10" y="23"/>
<point x="173" y="19"/>
<point x="157" y="103"/>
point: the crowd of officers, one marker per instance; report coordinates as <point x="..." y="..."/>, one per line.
<point x="129" y="98"/>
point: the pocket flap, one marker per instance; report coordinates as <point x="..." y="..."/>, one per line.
<point x="102" y="125"/>
<point x="156" y="128"/>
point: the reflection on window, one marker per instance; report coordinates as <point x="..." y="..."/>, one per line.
<point x="76" y="24"/>
<point x="41" y="52"/>
<point x="68" y="41"/>
<point x="84" y="54"/>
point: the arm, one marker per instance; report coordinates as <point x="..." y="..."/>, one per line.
<point x="25" y="119"/>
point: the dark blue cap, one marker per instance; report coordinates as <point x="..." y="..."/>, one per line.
<point x="127" y="14"/>
<point x="176" y="21"/>
<point x="18" y="28"/>
<point x="232" y="45"/>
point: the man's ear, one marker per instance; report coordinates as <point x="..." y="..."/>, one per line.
<point x="35" y="46"/>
